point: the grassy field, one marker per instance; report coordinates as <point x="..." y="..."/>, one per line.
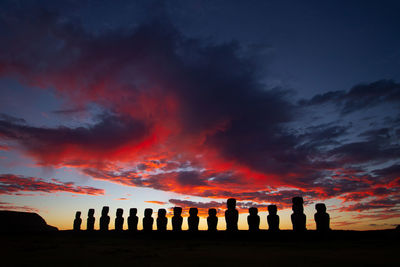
<point x="65" y="248"/>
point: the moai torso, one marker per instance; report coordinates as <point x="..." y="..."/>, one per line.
<point x="132" y="220"/>
<point x="322" y="219"/>
<point x="273" y="218"/>
<point x="253" y="220"/>
<point x="231" y="215"/>
<point x="177" y="219"/>
<point x="212" y="220"/>
<point x="193" y="220"/>
<point x="77" y="221"/>
<point x="90" y="220"/>
<point x="104" y="219"/>
<point x="148" y="220"/>
<point x="162" y="221"/>
<point x="119" y="220"/>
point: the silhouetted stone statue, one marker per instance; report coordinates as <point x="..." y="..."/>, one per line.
<point x="132" y="220"/>
<point x="177" y="219"/>
<point x="77" y="221"/>
<point x="321" y="218"/>
<point x="119" y="220"/>
<point x="148" y="220"/>
<point x="298" y="217"/>
<point x="193" y="220"/>
<point x="90" y="220"/>
<point x="273" y="218"/>
<point x="253" y="219"/>
<point x="162" y="220"/>
<point x="104" y="219"/>
<point x="231" y="215"/>
<point x="212" y="220"/>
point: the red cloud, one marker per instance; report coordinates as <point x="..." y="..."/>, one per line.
<point x="11" y="184"/>
<point x="156" y="202"/>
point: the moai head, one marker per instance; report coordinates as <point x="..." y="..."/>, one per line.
<point x="177" y="211"/>
<point x="193" y="212"/>
<point x="104" y="211"/>
<point x="162" y="213"/>
<point x="272" y="209"/>
<point x="320" y="207"/>
<point x="231" y="203"/>
<point x="297" y="201"/>
<point x="91" y="213"/>
<point x="253" y="211"/>
<point x="212" y="212"/>
<point x="297" y="208"/>
<point x="120" y="212"/>
<point x="132" y="212"/>
<point x="77" y="214"/>
<point x="148" y="212"/>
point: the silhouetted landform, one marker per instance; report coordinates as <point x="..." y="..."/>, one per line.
<point x="231" y="215"/>
<point x="193" y="220"/>
<point x="148" y="220"/>
<point x="77" y="221"/>
<point x="90" y="220"/>
<point x="298" y="217"/>
<point x="212" y="220"/>
<point x="177" y="219"/>
<point x="253" y="220"/>
<point x="273" y="218"/>
<point x="321" y="218"/>
<point x="133" y="220"/>
<point x="16" y="221"/>
<point x="162" y="221"/>
<point x="119" y="220"/>
<point x="104" y="219"/>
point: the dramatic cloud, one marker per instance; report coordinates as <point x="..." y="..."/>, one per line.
<point x="12" y="184"/>
<point x="183" y="115"/>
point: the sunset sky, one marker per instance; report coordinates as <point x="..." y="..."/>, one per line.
<point x="156" y="104"/>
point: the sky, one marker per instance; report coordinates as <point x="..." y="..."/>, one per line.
<point x="157" y="104"/>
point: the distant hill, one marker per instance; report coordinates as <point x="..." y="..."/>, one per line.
<point x="16" y="221"/>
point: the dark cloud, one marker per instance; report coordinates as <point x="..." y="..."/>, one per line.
<point x="359" y="97"/>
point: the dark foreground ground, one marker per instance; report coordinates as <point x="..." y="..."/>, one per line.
<point x="65" y="248"/>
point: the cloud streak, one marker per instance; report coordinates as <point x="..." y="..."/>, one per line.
<point x="12" y="184"/>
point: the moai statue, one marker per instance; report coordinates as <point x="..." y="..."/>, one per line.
<point x="119" y="220"/>
<point x="321" y="218"/>
<point x="104" y="219"/>
<point x="273" y="218"/>
<point x="90" y="220"/>
<point x="212" y="220"/>
<point x="148" y="220"/>
<point x="253" y="219"/>
<point x="231" y="215"/>
<point x="298" y="217"/>
<point x="77" y="221"/>
<point x="177" y="219"/>
<point x="132" y="220"/>
<point x="193" y="220"/>
<point x="162" y="220"/>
